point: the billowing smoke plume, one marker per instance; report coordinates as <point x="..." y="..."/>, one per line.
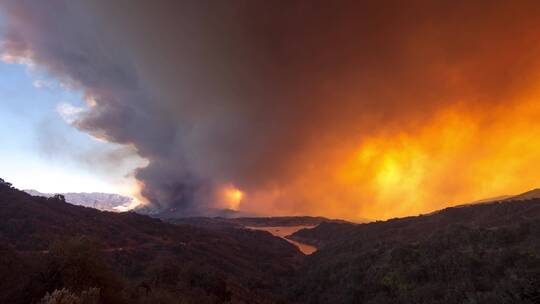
<point x="277" y="97"/>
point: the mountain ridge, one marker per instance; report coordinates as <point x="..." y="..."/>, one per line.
<point x="481" y="253"/>
<point x="40" y="234"/>
<point x="97" y="200"/>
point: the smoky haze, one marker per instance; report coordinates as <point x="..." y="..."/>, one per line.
<point x="269" y="96"/>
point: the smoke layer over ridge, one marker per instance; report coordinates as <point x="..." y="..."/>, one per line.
<point x="350" y="109"/>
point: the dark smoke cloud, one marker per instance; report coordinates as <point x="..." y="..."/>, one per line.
<point x="254" y="93"/>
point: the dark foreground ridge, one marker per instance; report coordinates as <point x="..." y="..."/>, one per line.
<point x="488" y="253"/>
<point x="47" y="245"/>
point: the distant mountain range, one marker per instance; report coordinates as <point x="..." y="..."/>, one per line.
<point x="96" y="200"/>
<point x="171" y="213"/>
<point x="242" y="222"/>
<point x="118" y="203"/>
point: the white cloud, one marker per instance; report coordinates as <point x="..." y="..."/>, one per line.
<point x="69" y="112"/>
<point x="40" y="83"/>
<point x="15" y="59"/>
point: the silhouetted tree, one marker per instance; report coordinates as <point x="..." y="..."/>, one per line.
<point x="59" y="197"/>
<point x="5" y="184"/>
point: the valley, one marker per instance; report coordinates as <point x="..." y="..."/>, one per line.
<point x="483" y="253"/>
<point x="284" y="232"/>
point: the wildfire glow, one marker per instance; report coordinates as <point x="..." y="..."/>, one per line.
<point x="458" y="156"/>
<point x="232" y="197"/>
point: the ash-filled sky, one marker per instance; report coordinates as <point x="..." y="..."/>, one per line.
<point x="349" y="109"/>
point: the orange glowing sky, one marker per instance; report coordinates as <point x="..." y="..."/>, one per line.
<point x="232" y="197"/>
<point x="368" y="111"/>
<point x="346" y="109"/>
<point x="459" y="155"/>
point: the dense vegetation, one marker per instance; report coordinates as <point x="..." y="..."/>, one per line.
<point x="53" y="252"/>
<point x="47" y="245"/>
<point x="278" y="221"/>
<point x="476" y="254"/>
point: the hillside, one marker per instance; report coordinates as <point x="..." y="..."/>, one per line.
<point x="281" y="226"/>
<point x="535" y="193"/>
<point x="276" y="221"/>
<point x="485" y="253"/>
<point x="39" y="235"/>
<point x="488" y="253"/>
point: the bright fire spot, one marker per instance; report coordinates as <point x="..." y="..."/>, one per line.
<point x="232" y="197"/>
<point x="133" y="190"/>
<point x="456" y="156"/>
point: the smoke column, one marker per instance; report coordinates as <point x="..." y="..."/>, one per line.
<point x="354" y="109"/>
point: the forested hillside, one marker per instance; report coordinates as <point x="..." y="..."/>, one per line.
<point x="487" y="253"/>
<point x="47" y="245"/>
